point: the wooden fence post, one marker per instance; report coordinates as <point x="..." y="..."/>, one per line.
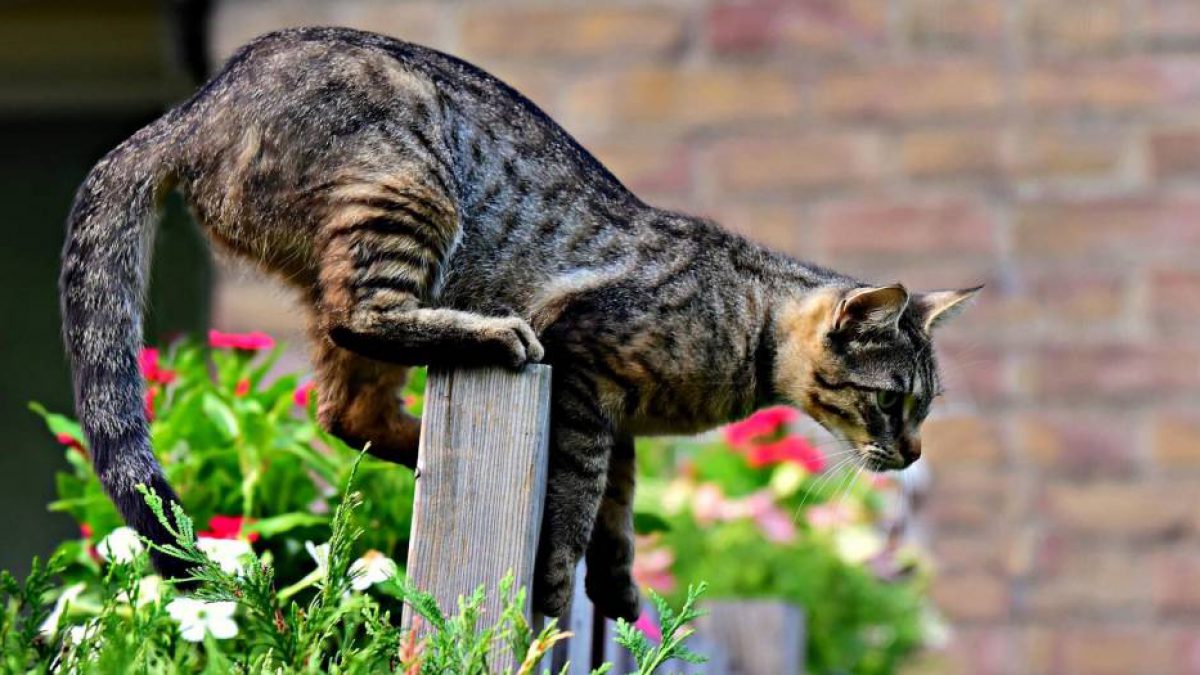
<point x="481" y="482"/>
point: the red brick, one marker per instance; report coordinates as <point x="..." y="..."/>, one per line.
<point x="1176" y="436"/>
<point x="1075" y="26"/>
<point x="1068" y="153"/>
<point x="570" y="32"/>
<point x="1171" y="22"/>
<point x="926" y="90"/>
<point x="961" y="439"/>
<point x="972" y="596"/>
<point x="972" y="373"/>
<point x="951" y="154"/>
<point x="1121" y="86"/>
<point x="1111" y="371"/>
<point x="804" y="28"/>
<point x="1175" y="153"/>
<point x="955" y="24"/>
<point x="966" y="498"/>
<point x="958" y="553"/>
<point x="1176" y="581"/>
<point x="648" y="167"/>
<point x="796" y="163"/>
<point x="1134" y="510"/>
<point x="781" y="226"/>
<point x="673" y="97"/>
<point x="1079" y="443"/>
<point x="1088" y="581"/>
<point x="1117" y="227"/>
<point x="1116" y="650"/>
<point x="930" y="225"/>
<point x="1175" y="302"/>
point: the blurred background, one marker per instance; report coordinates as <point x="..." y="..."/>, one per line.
<point x="1048" y="148"/>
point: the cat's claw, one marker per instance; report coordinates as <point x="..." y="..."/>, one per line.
<point x="515" y="339"/>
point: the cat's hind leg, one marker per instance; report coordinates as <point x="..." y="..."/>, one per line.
<point x="382" y="255"/>
<point x="359" y="401"/>
<point x="610" y="582"/>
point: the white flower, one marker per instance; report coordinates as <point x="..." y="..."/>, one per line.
<point x="148" y="591"/>
<point x="121" y="545"/>
<point x="857" y="544"/>
<point x="373" y="568"/>
<point x="197" y="618"/>
<point x="320" y="555"/>
<point x="230" y="554"/>
<point x="50" y="625"/>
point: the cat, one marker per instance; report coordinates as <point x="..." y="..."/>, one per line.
<point x="427" y="213"/>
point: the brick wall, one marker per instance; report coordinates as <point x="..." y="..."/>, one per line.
<point x="1050" y="148"/>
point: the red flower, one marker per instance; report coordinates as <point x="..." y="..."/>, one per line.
<point x="85" y="530"/>
<point x="242" y="388"/>
<point x="759" y="426"/>
<point x="148" y="360"/>
<point x="250" y="342"/>
<point x="228" y="527"/>
<point x="303" y="393"/>
<point x="71" y="442"/>
<point x="646" y="623"/>
<point x="790" y="449"/>
<point x="148" y="402"/>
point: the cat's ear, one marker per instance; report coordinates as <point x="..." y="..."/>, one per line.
<point x="936" y="307"/>
<point x="869" y="309"/>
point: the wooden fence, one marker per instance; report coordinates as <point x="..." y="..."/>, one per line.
<point x="478" y="512"/>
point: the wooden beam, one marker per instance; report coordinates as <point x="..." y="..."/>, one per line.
<point x="481" y="482"/>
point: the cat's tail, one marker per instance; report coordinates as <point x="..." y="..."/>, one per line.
<point x="105" y="263"/>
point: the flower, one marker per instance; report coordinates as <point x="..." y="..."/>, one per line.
<point x="372" y="568"/>
<point x="149" y="589"/>
<point x="228" y="527"/>
<point x="708" y="503"/>
<point x="197" y="618"/>
<point x="652" y="565"/>
<point x="857" y="544"/>
<point x="320" y="555"/>
<point x="790" y="449"/>
<point x="85" y="531"/>
<point x="148" y="361"/>
<point x="250" y="342"/>
<point x="148" y="402"/>
<point x="71" y="442"/>
<point x="786" y="479"/>
<point x="229" y="554"/>
<point x="760" y="425"/>
<point x="121" y="545"/>
<point x="242" y="388"/>
<point x="303" y="393"/>
<point x="50" y="625"/>
<point x="646" y="623"/>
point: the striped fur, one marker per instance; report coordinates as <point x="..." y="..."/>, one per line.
<point x="429" y="214"/>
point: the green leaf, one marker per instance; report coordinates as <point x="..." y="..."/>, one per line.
<point x="645" y="522"/>
<point x="221" y="415"/>
<point x="269" y="527"/>
<point x="58" y="424"/>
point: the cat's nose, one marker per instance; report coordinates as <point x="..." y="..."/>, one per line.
<point x="910" y="448"/>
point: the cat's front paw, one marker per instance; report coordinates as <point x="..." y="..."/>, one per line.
<point x="615" y="595"/>
<point x="510" y="341"/>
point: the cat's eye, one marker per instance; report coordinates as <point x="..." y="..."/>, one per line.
<point x="887" y="400"/>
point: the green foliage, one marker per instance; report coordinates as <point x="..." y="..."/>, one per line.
<point x="761" y="513"/>
<point x="675" y="631"/>
<point x="248" y="459"/>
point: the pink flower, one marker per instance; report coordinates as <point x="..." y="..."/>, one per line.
<point x="828" y="516"/>
<point x="250" y="342"/>
<point x="242" y="388"/>
<point x="652" y="566"/>
<point x="707" y="503"/>
<point x="790" y="449"/>
<point x="759" y="426"/>
<point x="85" y="531"/>
<point x="228" y="527"/>
<point x="303" y="393"/>
<point x="71" y="442"/>
<point x="148" y="361"/>
<point x="649" y="626"/>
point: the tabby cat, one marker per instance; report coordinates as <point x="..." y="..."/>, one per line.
<point x="429" y="214"/>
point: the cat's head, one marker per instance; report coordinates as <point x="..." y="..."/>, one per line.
<point x="860" y="362"/>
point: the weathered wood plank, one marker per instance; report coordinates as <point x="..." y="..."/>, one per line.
<point x="481" y="482"/>
<point x="756" y="637"/>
